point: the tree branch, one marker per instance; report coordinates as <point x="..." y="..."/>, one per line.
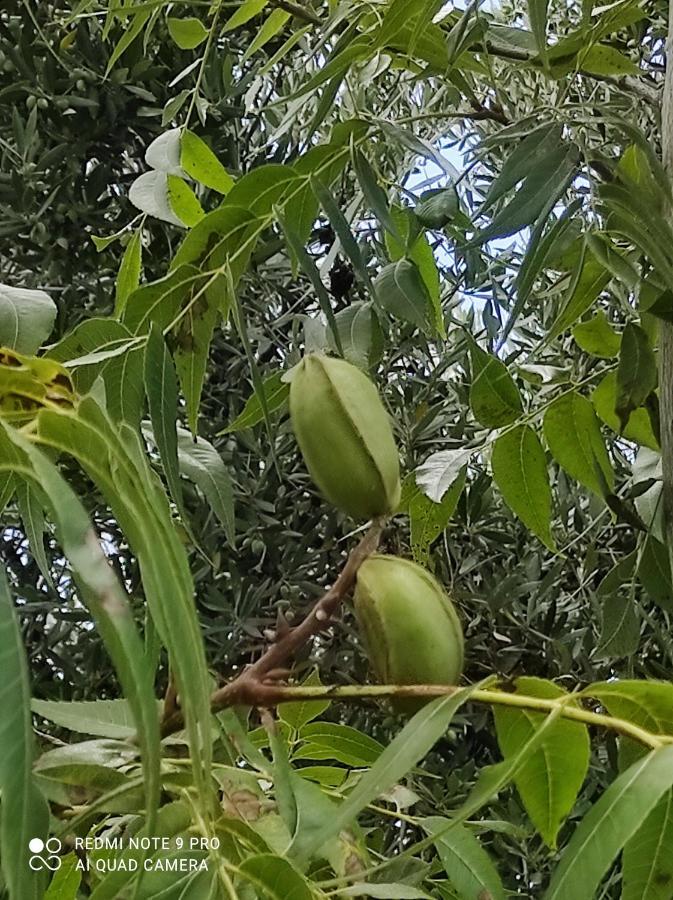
<point x="299" y="12"/>
<point x="249" y="687"/>
<point x="272" y="695"/>
<point x="666" y="328"/>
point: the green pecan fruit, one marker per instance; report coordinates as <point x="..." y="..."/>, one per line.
<point x="345" y="436"/>
<point x="409" y="625"/>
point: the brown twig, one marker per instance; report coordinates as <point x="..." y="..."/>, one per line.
<point x="249" y="688"/>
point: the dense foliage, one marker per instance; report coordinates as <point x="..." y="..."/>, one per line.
<point x="470" y="206"/>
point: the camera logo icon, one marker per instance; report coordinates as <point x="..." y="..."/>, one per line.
<point x="44" y="854"/>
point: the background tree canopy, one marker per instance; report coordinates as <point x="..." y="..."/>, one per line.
<point x="471" y="205"/>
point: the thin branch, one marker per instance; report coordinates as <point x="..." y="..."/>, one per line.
<point x="272" y="695"/>
<point x="249" y="686"/>
<point x="297" y="11"/>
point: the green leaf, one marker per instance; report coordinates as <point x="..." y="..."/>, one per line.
<point x="468" y="866"/>
<point x="609" y="824"/>
<point x="602" y="59"/>
<point x="620" y="627"/>
<point x="193" y="336"/>
<point x="359" y="333"/>
<point x="549" y="781"/>
<point x="638" y="428"/>
<point x="574" y="437"/>
<point x="162" y="398"/>
<point x="24" y="813"/>
<point x="645" y="703"/>
<point x="26" y="318"/>
<point x="93" y="339"/>
<point x="329" y="740"/>
<point x="416" y="247"/>
<point x="183" y="201"/>
<point x="437" y="208"/>
<point x="401" y="755"/>
<point x="537" y="16"/>
<point x="32" y="516"/>
<point x="428" y="518"/>
<point x="160" y="301"/>
<point x="203" y="465"/>
<point x="150" y="194"/>
<point x="494" y="397"/>
<point x="128" y="278"/>
<point x="374" y="194"/>
<point x="66" y="881"/>
<point x="637" y="372"/>
<point x="276" y="392"/>
<point x="187" y="33"/>
<point x="105" y="718"/>
<point x="201" y="164"/>
<point x="401" y="291"/>
<point x="273" y="24"/>
<point x="654" y="572"/>
<point x="275" y="878"/>
<point x="597" y="337"/>
<point x="528" y="155"/>
<point x="520" y="471"/>
<point x="586" y="284"/>
<point x="647" y="865"/>
<point x="298" y="714"/>
<point x="246" y="11"/>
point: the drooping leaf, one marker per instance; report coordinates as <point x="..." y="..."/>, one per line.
<point x="597" y="337"/>
<point x="574" y="437"/>
<point x="467" y="865"/>
<point x="31" y="511"/>
<point x="128" y="278"/>
<point x="26" y="318"/>
<point x="585" y="286"/>
<point x="654" y="572"/>
<point x="520" y="472"/>
<point x="638" y="428"/>
<point x="537" y="15"/>
<point x="203" y="465"/>
<point x="401" y="291"/>
<point x="187" y="33"/>
<point x="549" y="781"/>
<point x="530" y="153"/>
<point x="201" y="164"/>
<point x="374" y="194"/>
<point x="494" y="397"/>
<point x="637" y="372"/>
<point x="24" y="814"/>
<point x="192" y="337"/>
<point x="609" y="824"/>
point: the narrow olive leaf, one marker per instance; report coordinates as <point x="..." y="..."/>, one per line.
<point x="636" y="374"/>
<point x="468" y="866"/>
<point x="32" y="516"/>
<point x="310" y="269"/>
<point x="276" y="392"/>
<point x="574" y="438"/>
<point x="128" y="278"/>
<point x="401" y="291"/>
<point x="401" y="755"/>
<point x="520" y="472"/>
<point x="537" y="16"/>
<point x="8" y="484"/>
<point x="162" y="399"/>
<point x="531" y="152"/>
<point x="246" y="11"/>
<point x="374" y="194"/>
<point x="609" y="824"/>
<point x="597" y="337"/>
<point x="342" y="229"/>
<point x="549" y="781"/>
<point x="203" y="465"/>
<point x="494" y="397"/>
<point x="275" y="878"/>
<point x="272" y="25"/>
<point x="585" y="287"/>
<point x="24" y="813"/>
<point x="193" y="336"/>
<point x="187" y="33"/>
<point x="638" y="428"/>
<point x="201" y="164"/>
<point x="654" y="572"/>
